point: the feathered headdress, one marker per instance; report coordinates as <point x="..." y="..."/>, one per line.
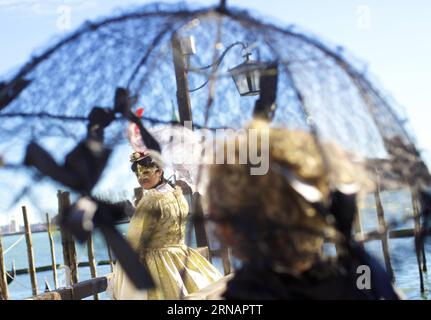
<point x="134" y="135"/>
<point x="137" y="143"/>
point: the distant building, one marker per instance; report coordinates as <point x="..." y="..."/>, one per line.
<point x="13" y="226"/>
<point x="35" y="227"/>
<point x="4" y="229"/>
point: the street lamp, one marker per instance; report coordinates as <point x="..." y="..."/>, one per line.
<point x="251" y="78"/>
<point x="245" y="75"/>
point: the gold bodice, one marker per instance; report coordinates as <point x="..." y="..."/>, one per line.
<point x="159" y="220"/>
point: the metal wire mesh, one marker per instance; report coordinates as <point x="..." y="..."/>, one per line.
<point x="318" y="87"/>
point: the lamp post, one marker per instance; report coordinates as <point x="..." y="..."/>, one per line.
<point x="246" y="76"/>
<point x="183" y="96"/>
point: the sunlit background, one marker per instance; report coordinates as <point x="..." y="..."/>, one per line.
<point x="390" y="37"/>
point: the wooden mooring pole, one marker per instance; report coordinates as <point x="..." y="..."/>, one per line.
<point x="4" y="293"/>
<point x="226" y="258"/>
<point x="111" y="261"/>
<point x="92" y="261"/>
<point x="357" y="225"/>
<point x="418" y="226"/>
<point x="69" y="250"/>
<point x="201" y="233"/>
<point x="52" y="248"/>
<point x="418" y="246"/>
<point x="382" y="224"/>
<point x="30" y="255"/>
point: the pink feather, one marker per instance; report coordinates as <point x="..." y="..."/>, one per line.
<point x="134" y="136"/>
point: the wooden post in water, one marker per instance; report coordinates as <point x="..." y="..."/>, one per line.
<point x="111" y="262"/>
<point x="69" y="250"/>
<point x="64" y="242"/>
<point x="199" y="221"/>
<point x="418" y="225"/>
<point x="4" y="293"/>
<point x="418" y="246"/>
<point x="357" y="225"/>
<point x="382" y="224"/>
<point x="52" y="248"/>
<point x="31" y="266"/>
<point x="225" y="255"/>
<point x="92" y="261"/>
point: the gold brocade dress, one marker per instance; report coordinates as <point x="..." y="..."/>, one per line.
<point x="157" y="231"/>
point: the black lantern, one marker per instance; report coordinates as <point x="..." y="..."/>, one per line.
<point x="246" y="76"/>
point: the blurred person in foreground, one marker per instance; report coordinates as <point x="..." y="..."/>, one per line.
<point x="277" y="235"/>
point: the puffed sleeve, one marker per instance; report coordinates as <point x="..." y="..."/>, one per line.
<point x="146" y="216"/>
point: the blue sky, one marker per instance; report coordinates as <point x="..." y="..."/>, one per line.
<point x="392" y="36"/>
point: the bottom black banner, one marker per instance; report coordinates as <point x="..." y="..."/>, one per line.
<point x="198" y="309"/>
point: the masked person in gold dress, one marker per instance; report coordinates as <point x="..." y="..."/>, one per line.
<point x="157" y="233"/>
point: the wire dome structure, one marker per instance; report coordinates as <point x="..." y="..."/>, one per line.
<point x="319" y="88"/>
<point x="174" y="58"/>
